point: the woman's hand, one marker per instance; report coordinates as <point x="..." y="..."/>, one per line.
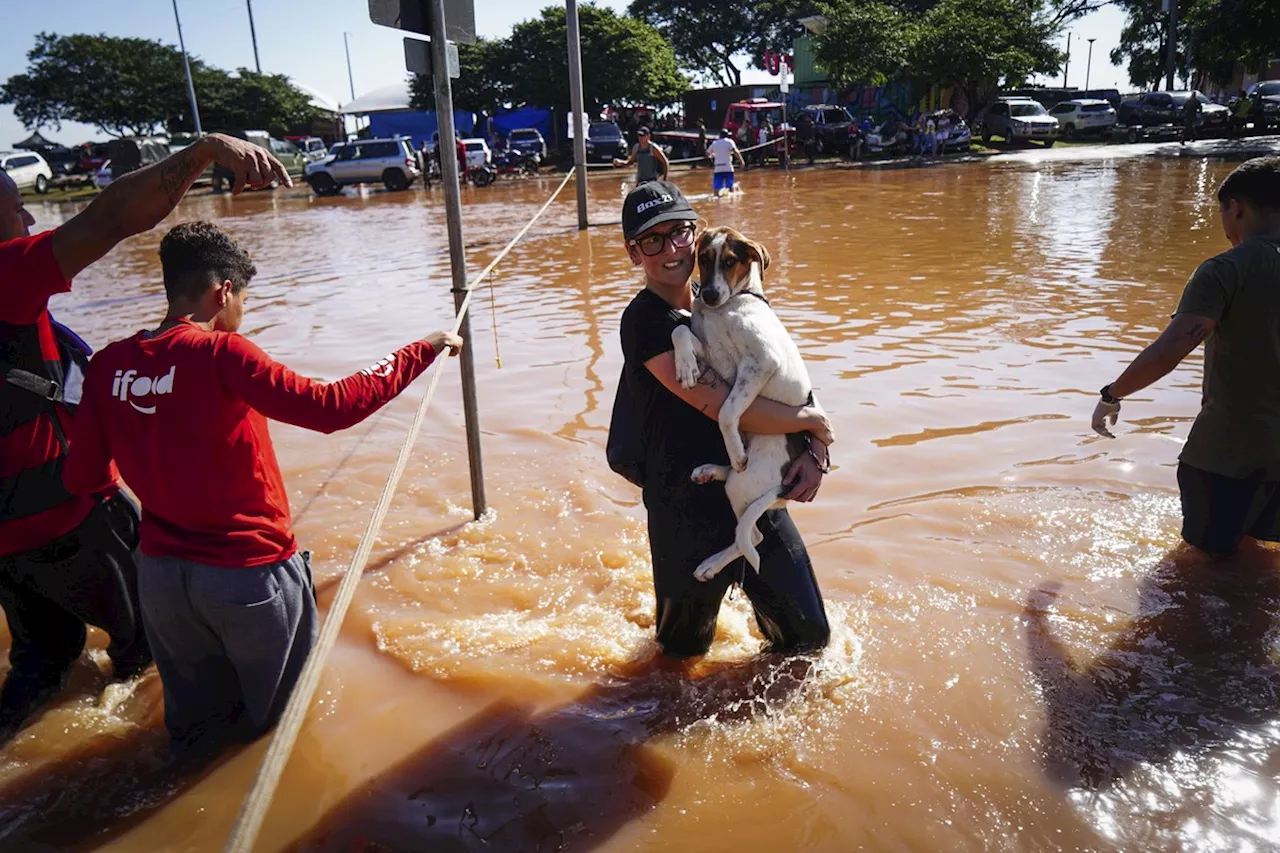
<point x="817" y="424"/>
<point x="804" y="475"/>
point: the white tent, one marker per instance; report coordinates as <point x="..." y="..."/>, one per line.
<point x="385" y="99"/>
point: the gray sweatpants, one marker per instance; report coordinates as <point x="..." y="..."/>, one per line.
<point x="229" y="643"/>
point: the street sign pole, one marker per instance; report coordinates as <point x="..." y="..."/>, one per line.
<point x="575" y="102"/>
<point x="447" y="148"/>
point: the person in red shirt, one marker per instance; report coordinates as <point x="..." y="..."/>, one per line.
<point x="67" y="560"/>
<point x="227" y="597"/>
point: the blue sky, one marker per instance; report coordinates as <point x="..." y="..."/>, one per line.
<point x="303" y="38"/>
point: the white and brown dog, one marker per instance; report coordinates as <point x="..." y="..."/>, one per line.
<point x="736" y="333"/>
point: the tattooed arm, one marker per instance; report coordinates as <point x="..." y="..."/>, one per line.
<point x="1185" y="333"/>
<point x="139" y="200"/>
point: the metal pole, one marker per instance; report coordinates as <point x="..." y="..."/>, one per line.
<point x="186" y="63"/>
<point x="1171" y="43"/>
<point x="447" y="148"/>
<point x="1088" y="65"/>
<point x="1066" y="63"/>
<point x="350" y="80"/>
<point x="253" y="34"/>
<point x="575" y="101"/>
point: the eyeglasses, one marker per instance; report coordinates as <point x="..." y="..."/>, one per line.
<point x="653" y="244"/>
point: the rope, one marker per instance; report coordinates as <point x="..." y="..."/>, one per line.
<point x="771" y="142"/>
<point x="254" y="809"/>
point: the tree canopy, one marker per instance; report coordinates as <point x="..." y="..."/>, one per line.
<point x="482" y="84"/>
<point x="1214" y="35"/>
<point x="976" y="45"/>
<point x="624" y="61"/>
<point x="130" y="86"/>
<point x="707" y="35"/>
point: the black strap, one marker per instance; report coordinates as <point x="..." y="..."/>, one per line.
<point x="39" y="385"/>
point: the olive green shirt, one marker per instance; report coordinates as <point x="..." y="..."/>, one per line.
<point x="1238" y="429"/>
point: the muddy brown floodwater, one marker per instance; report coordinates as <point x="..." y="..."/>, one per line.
<point x="1020" y="661"/>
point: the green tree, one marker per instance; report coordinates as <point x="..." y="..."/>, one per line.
<point x="482" y="82"/>
<point x="251" y="101"/>
<point x="624" y="61"/>
<point x="710" y="36"/>
<point x="121" y="85"/>
<point x="867" y="41"/>
<point x="1214" y="36"/>
<point x="977" y="45"/>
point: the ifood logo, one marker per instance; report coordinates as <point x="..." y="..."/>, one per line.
<point x="128" y="384"/>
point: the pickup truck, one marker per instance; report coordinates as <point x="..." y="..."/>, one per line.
<point x="1152" y="109"/>
<point x="830" y="127"/>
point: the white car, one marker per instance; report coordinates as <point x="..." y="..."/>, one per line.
<point x="478" y="153"/>
<point x="28" y="169"/>
<point x="1084" y="116"/>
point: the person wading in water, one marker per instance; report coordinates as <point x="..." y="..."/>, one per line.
<point x="651" y="164"/>
<point x="1229" y="469"/>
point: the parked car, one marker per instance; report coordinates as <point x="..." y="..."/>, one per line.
<point x="528" y="140"/>
<point x="66" y="167"/>
<point x="959" y="136"/>
<point x="830" y="127"/>
<point x="1019" y="120"/>
<point x="293" y="160"/>
<point x="391" y="162"/>
<point x="478" y="153"/>
<point x="312" y="147"/>
<point x="1157" y="108"/>
<point x="126" y="155"/>
<point x="28" y="170"/>
<point x="1084" y="116"/>
<point x="1266" y="94"/>
<point x="889" y="138"/>
<point x="605" y="142"/>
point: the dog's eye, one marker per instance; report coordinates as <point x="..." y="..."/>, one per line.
<point x="728" y="262"/>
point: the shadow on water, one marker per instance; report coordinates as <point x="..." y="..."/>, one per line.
<point x="569" y="778"/>
<point x="102" y="788"/>
<point x="1195" y="669"/>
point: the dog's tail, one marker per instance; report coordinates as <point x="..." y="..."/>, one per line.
<point x="747" y="524"/>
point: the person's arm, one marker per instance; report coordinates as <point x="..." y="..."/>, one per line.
<point x="86" y="470"/>
<point x="137" y="202"/>
<point x="767" y="417"/>
<point x="282" y="395"/>
<point x="631" y="159"/>
<point x="663" y="163"/>
<point x="738" y="156"/>
<point x="1180" y="337"/>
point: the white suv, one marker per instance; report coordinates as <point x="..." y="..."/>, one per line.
<point x="1083" y="116"/>
<point x="28" y="169"/>
<point x="391" y="162"/>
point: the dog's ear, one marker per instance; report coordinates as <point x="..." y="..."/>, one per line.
<point x="761" y="253"/>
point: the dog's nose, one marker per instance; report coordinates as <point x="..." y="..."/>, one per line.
<point x="709" y="296"/>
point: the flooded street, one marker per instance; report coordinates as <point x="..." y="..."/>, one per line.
<point x="1018" y="660"/>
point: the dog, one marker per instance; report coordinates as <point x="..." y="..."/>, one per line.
<point x="735" y="332"/>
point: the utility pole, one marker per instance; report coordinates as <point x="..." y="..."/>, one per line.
<point x="350" y="80"/>
<point x="253" y="34"/>
<point x="1088" y="65"/>
<point x="1067" y="62"/>
<point x="1171" y="42"/>
<point x="186" y="63"/>
<point x="575" y="104"/>
<point x="457" y="248"/>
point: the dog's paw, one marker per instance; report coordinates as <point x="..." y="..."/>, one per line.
<point x="738" y="459"/>
<point x="686" y="368"/>
<point x="703" y="474"/>
<point x="707" y="569"/>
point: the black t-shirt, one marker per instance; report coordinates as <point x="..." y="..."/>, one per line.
<point x="677" y="437"/>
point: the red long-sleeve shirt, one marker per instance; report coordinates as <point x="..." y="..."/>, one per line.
<point x="184" y="416"/>
<point x="29" y="275"/>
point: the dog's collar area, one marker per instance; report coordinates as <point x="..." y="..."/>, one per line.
<point x="759" y="296"/>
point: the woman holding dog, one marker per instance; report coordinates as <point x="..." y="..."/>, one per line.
<point x="688" y="522"/>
